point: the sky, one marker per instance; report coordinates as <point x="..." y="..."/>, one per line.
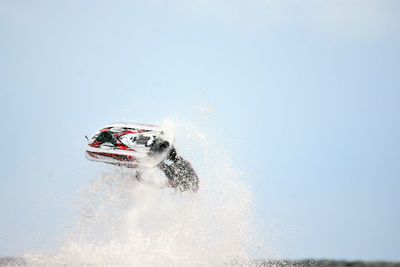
<point x="304" y="94"/>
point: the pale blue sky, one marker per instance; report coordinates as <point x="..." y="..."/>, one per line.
<point x="309" y="89"/>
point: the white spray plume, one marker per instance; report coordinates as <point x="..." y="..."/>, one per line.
<point x="126" y="223"/>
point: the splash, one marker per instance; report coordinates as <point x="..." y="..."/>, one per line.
<point x="126" y="223"/>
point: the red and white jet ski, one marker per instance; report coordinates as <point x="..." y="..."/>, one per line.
<point x="128" y="144"/>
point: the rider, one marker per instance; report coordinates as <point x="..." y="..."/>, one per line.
<point x="179" y="172"/>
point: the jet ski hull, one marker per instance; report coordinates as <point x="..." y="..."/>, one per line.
<point x="131" y="145"/>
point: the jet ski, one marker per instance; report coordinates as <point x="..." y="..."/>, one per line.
<point x="132" y="145"/>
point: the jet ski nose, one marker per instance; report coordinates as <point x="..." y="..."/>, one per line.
<point x="106" y="137"/>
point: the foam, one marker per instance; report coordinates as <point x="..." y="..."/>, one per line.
<point x="126" y="223"/>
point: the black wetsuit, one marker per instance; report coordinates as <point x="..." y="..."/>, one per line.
<point x="179" y="172"/>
